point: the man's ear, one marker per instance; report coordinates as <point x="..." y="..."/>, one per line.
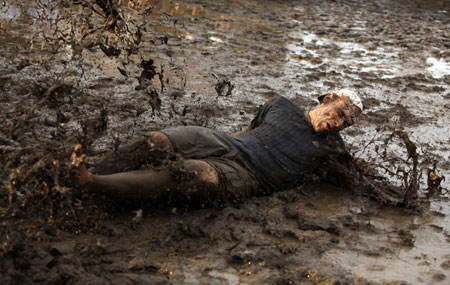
<point x="325" y="98"/>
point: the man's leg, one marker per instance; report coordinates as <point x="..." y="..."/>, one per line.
<point x="146" y="150"/>
<point x="191" y="177"/>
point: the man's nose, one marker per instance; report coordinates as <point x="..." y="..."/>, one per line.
<point x="339" y="123"/>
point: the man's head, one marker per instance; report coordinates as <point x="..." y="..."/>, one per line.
<point x="337" y="110"/>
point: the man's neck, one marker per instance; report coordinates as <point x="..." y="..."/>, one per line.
<point x="311" y="117"/>
<point x="307" y="116"/>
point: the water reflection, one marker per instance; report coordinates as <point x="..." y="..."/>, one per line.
<point x="438" y="68"/>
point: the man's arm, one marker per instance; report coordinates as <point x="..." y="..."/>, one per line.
<point x="240" y="132"/>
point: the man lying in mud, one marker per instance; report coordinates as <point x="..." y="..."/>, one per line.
<point x="281" y="145"/>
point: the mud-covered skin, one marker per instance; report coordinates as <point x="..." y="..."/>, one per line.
<point x="312" y="234"/>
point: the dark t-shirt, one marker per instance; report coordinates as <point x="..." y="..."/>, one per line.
<point x="282" y="146"/>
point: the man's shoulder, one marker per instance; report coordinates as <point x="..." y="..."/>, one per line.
<point x="283" y="102"/>
<point x="279" y="112"/>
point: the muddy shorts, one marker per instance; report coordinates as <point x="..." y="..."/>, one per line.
<point x="235" y="179"/>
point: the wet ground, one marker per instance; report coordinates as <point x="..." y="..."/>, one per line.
<point x="78" y="80"/>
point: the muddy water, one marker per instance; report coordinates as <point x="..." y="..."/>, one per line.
<point x="416" y="264"/>
<point x="394" y="53"/>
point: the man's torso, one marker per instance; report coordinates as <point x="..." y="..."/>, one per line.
<point x="282" y="146"/>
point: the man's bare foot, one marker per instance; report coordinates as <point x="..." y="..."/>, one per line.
<point x="81" y="177"/>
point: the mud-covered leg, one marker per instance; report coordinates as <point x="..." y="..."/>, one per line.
<point x="146" y="150"/>
<point x="191" y="177"/>
<point x="197" y="179"/>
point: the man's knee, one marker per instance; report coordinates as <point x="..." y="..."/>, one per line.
<point x="205" y="173"/>
<point x="160" y="141"/>
<point x="197" y="176"/>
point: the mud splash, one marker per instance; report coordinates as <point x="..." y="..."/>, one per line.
<point x="151" y="68"/>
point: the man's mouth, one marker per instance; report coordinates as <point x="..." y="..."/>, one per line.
<point x="327" y="127"/>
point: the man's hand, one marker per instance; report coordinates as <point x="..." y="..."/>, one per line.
<point x="240" y="132"/>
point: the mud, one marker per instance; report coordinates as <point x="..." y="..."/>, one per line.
<point x="73" y="73"/>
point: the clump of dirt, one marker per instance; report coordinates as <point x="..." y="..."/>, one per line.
<point x="222" y="85"/>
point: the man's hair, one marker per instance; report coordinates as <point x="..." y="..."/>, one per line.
<point x="334" y="98"/>
<point x="349" y="97"/>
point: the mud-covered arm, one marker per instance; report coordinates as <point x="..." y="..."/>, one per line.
<point x="336" y="164"/>
<point x="343" y="171"/>
<point x="340" y="170"/>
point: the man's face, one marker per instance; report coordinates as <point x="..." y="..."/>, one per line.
<point x="333" y="116"/>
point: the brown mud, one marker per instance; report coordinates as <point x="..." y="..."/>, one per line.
<point x="75" y="73"/>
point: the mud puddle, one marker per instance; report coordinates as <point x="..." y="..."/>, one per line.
<point x="394" y="53"/>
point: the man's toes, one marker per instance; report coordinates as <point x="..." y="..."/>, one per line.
<point x="73" y="159"/>
<point x="77" y="148"/>
<point x="76" y="158"/>
<point x="80" y="161"/>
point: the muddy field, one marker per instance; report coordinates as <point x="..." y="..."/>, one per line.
<point x="75" y="73"/>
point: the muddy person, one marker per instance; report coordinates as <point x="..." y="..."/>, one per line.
<point x="282" y="144"/>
